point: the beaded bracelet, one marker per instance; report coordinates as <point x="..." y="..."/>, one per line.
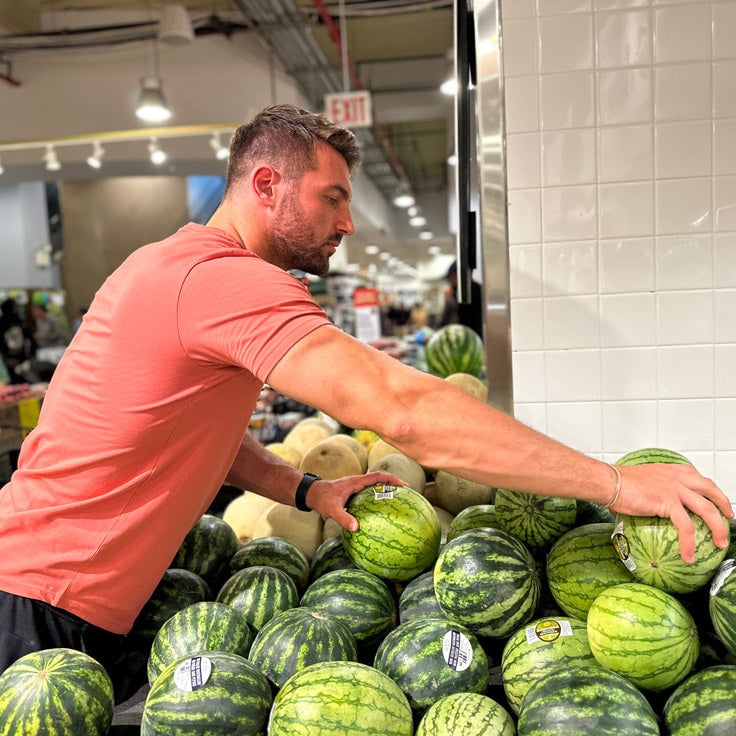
<point x="617" y="490"/>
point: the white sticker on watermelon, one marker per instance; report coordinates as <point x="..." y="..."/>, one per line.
<point x="621" y="545"/>
<point x="193" y="673"/>
<point x="383" y="490"/>
<point x="548" y="630"/>
<point x="457" y="650"/>
<point x="722" y="575"/>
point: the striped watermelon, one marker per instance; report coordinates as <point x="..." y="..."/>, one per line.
<point x="704" y="704"/>
<point x="359" y="599"/>
<point x="55" y="691"/>
<point x="296" y="638"/>
<point x="330" y="555"/>
<point x="260" y="593"/>
<point x="342" y="698"/>
<point x="472" y="517"/>
<point x="544" y="645"/>
<point x="418" y="600"/>
<point x="722" y="604"/>
<point x="399" y="533"/>
<point x="207" y="549"/>
<point x="731" y="553"/>
<point x="649" y="546"/>
<point x="590" y="512"/>
<point x="431" y="657"/>
<point x="206" y="625"/>
<point x="503" y="590"/>
<point x="652" y="455"/>
<point x="581" y="564"/>
<point x="466" y="714"/>
<point x="208" y="694"/>
<point x="585" y="700"/>
<point x="276" y="552"/>
<point x="534" y="519"/>
<point x="644" y="634"/>
<point x="455" y="349"/>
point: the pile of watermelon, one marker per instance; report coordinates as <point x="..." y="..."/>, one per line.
<point x="532" y="616"/>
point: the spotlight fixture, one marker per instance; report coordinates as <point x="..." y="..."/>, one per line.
<point x="152" y="107"/>
<point x="413" y="211"/>
<point x="95" y="159"/>
<point x="404" y="200"/>
<point x="156" y="153"/>
<point x="175" y="27"/>
<point x="449" y="87"/>
<point x="221" y="152"/>
<point x="426" y="235"/>
<point x="51" y="159"/>
<point x="418" y="221"/>
<point x="372" y="250"/>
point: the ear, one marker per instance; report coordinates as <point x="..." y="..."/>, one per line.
<point x="264" y="181"/>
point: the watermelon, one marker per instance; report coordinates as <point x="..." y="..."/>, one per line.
<point x="466" y="714"/>
<point x="487" y="580"/>
<point x="359" y="599"/>
<point x="276" y="552"/>
<point x="399" y="534"/>
<point x="418" y="600"/>
<point x="206" y="625"/>
<point x="330" y="555"/>
<point x="544" y="645"/>
<point x="649" y="546"/>
<point x="722" y="604"/>
<point x="55" y="691"/>
<point x="585" y="700"/>
<point x="259" y="592"/>
<point x="207" y="694"/>
<point x="648" y="455"/>
<point x="298" y="637"/>
<point x="339" y="698"/>
<point x="590" y="512"/>
<point x="581" y="564"/>
<point x="207" y="549"/>
<point x="731" y="552"/>
<point x="472" y="517"/>
<point x="644" y="634"/>
<point x="534" y="519"/>
<point x="704" y="704"/>
<point x="431" y="657"/>
<point x="455" y="349"/>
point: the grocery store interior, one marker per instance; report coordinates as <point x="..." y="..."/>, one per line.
<point x="609" y="292"/>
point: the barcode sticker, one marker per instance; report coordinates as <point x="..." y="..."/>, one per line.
<point x="457" y="650"/>
<point x="383" y="490"/>
<point x="193" y="673"/>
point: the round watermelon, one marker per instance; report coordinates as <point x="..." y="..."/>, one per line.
<point x="276" y="552"/>
<point x="330" y="555"/>
<point x="207" y="694"/>
<point x="466" y="714"/>
<point x="431" y="657"/>
<point x="55" y="691"/>
<point x="649" y="546"/>
<point x="647" y="455"/>
<point x="535" y="519"/>
<point x="585" y="700"/>
<point x="455" y="349"/>
<point x="418" y="600"/>
<point x="296" y="638"/>
<point x="544" y="645"/>
<point x="340" y="698"/>
<point x="487" y="580"/>
<point x="704" y="704"/>
<point x="581" y="564"/>
<point x="399" y="533"/>
<point x="206" y="625"/>
<point x="722" y="604"/>
<point x="472" y="517"/>
<point x="644" y="634"/>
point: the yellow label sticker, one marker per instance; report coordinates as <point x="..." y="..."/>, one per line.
<point x="28" y="412"/>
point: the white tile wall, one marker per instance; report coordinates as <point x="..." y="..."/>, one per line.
<point x="621" y="146"/>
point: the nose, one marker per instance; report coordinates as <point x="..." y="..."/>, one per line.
<point x="345" y="225"/>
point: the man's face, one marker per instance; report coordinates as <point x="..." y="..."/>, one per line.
<point x="313" y="215"/>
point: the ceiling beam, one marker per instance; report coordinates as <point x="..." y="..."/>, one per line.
<point x="20" y="17"/>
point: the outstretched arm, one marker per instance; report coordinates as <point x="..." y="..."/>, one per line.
<point x="441" y="426"/>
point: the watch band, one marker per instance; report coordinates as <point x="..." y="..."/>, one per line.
<point x="300" y="499"/>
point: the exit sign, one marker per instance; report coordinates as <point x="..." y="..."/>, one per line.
<point x="350" y="109"/>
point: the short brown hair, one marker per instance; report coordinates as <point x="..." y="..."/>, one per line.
<point x="289" y="135"/>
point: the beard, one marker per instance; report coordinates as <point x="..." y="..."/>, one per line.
<point x="293" y="243"/>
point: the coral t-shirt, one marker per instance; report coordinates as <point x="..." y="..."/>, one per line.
<point x="142" y="421"/>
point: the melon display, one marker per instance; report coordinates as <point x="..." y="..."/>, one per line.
<point x="208" y="693"/>
<point x="473" y="517"/>
<point x="544" y="645"/>
<point x="585" y="700"/>
<point x="431" y="657"/>
<point x="722" y="604"/>
<point x="466" y="714"/>
<point x="206" y="625"/>
<point x="644" y="634"/>
<point x="340" y="698"/>
<point x="503" y="590"/>
<point x="399" y="534"/>
<point x="581" y="564"/>
<point x="296" y="638"/>
<point x="704" y="704"/>
<point x="649" y="546"/>
<point x="276" y="552"/>
<point x="55" y="691"/>
<point x="455" y="349"/>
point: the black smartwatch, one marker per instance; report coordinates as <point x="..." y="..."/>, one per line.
<point x="300" y="499"/>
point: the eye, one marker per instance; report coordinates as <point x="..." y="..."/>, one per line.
<point x="331" y="200"/>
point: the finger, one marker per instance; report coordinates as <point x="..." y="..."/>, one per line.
<point x="704" y="487"/>
<point x="345" y="520"/>
<point x="685" y="531"/>
<point x="379" y="476"/>
<point x="711" y="515"/>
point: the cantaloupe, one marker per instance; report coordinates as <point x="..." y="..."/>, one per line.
<point x="454" y="493"/>
<point x="287" y="453"/>
<point x="470" y="384"/>
<point x="302" y="528"/>
<point x="243" y="512"/>
<point x="402" y="466"/>
<point x="331" y="459"/>
<point x="352" y="444"/>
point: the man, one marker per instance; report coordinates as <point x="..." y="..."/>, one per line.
<point x="468" y="313"/>
<point x="146" y="415"/>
